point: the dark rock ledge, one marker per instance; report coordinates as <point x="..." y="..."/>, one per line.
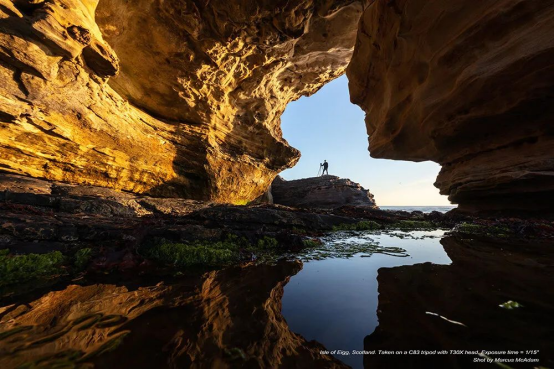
<point x="40" y="217"/>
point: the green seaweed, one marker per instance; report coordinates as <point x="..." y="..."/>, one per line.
<point x="212" y="253"/>
<point x="82" y="258"/>
<point x="469" y="228"/>
<point x="198" y="253"/>
<point x="359" y="226"/>
<point x="510" y="305"/>
<point x="22" y="268"/>
<point x="296" y="230"/>
<point x="497" y="231"/>
<point x="311" y="243"/>
<point x="413" y="225"/>
<point x="267" y="243"/>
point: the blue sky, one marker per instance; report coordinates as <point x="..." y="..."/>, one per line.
<point x="327" y="126"/>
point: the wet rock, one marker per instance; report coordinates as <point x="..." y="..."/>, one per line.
<point x="265" y="198"/>
<point x="5" y="240"/>
<point x="53" y="195"/>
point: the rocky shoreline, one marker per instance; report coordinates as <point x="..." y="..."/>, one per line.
<point x="68" y="247"/>
<point x="85" y="229"/>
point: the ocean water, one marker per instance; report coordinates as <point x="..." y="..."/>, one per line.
<point x="424" y="209"/>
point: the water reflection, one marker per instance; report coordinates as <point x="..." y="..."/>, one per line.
<point x="335" y="300"/>
<point x="385" y="302"/>
<point x="271" y="316"/>
<point x="228" y="318"/>
<point x="481" y="277"/>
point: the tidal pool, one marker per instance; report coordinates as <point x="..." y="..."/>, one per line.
<point x="334" y="301"/>
<point x="397" y="291"/>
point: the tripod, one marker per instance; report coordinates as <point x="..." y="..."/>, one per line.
<point x="319" y="171"/>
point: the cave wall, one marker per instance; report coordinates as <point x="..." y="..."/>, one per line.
<point x="468" y="85"/>
<point x="184" y="98"/>
<point x="170" y="98"/>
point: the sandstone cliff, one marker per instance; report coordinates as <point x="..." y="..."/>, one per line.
<point x="171" y="98"/>
<point x="184" y="97"/>
<point x="321" y="192"/>
<point x="467" y="84"/>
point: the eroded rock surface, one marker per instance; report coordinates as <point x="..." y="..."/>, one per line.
<point x="321" y="192"/>
<point x="183" y="98"/>
<point x="467" y="85"/>
<point x="170" y="98"/>
<point x="39" y="216"/>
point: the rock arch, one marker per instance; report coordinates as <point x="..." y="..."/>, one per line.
<point x="183" y="98"/>
<point x="171" y="98"/>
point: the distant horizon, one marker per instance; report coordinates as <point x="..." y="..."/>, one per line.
<point x="386" y="205"/>
<point x="417" y="205"/>
<point x="328" y="126"/>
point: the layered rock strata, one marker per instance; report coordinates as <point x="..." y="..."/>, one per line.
<point x="468" y="85"/>
<point x="186" y="103"/>
<point x="170" y="98"/>
<point x="38" y="216"/>
<point x="321" y="192"/>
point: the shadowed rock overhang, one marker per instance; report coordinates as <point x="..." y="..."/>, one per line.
<point x="467" y="84"/>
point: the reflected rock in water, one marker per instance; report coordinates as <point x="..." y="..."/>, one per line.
<point x="227" y="318"/>
<point x="482" y="276"/>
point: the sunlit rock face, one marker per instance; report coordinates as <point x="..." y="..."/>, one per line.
<point x="171" y="98"/>
<point x="467" y="85"/>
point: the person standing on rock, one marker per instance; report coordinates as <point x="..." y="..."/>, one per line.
<point x="325" y="167"/>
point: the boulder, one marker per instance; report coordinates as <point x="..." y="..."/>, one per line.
<point x="321" y="192"/>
